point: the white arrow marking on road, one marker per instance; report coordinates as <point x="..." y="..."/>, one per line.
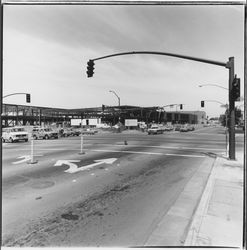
<point x="26" y="158"/>
<point x="73" y="168"/>
<point x="97" y="162"/>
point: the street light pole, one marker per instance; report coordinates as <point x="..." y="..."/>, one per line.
<point x="116" y="96"/>
<point x="216" y="85"/>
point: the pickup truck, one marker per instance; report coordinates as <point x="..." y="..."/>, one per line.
<point x="155" y="129"/>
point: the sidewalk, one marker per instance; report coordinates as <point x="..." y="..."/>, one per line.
<point x="218" y="220"/>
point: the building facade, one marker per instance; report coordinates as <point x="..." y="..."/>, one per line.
<point x="13" y="115"/>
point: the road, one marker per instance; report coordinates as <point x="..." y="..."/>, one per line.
<point x="115" y="194"/>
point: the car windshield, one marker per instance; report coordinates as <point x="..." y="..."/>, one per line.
<point x="17" y="130"/>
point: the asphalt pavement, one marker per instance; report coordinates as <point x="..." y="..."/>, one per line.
<point x="217" y="220"/>
<point x="152" y="194"/>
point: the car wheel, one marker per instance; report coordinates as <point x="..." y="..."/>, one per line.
<point x="11" y="140"/>
<point x="46" y="137"/>
<point x="35" y="137"/>
<point x="26" y="140"/>
<point x="3" y="140"/>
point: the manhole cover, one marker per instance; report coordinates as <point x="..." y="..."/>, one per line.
<point x="42" y="184"/>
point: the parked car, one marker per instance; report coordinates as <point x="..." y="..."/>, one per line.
<point x="191" y="127"/>
<point x="155" y="129"/>
<point x="89" y="131"/>
<point x="65" y="132"/>
<point x="44" y="133"/>
<point x="75" y="132"/>
<point x="168" y="128"/>
<point x="14" y="134"/>
<point x="177" y="127"/>
<point x="103" y="125"/>
<point x="184" y="128"/>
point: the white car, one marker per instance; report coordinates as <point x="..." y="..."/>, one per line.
<point x="44" y="133"/>
<point x="13" y="134"/>
<point x="155" y="129"/>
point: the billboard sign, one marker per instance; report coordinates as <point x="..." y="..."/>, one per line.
<point x="131" y="122"/>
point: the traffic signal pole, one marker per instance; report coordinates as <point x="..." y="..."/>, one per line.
<point x="28" y="96"/>
<point x="229" y="65"/>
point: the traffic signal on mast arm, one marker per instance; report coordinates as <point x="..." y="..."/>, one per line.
<point x="28" y="98"/>
<point x="202" y="104"/>
<point x="181" y="106"/>
<point x="103" y="107"/>
<point x="236" y="89"/>
<point x="90" y="68"/>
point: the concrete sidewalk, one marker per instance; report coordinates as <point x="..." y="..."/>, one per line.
<point x="218" y="220"/>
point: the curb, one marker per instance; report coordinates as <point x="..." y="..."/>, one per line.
<point x="218" y="220"/>
<point x="173" y="226"/>
<point x="200" y="210"/>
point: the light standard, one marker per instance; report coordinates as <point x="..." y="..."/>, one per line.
<point x="116" y="96"/>
<point x="202" y="85"/>
<point x="118" y="103"/>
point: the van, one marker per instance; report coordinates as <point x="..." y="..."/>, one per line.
<point x="14" y="134"/>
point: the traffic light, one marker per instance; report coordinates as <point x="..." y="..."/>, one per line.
<point x="202" y="104"/>
<point x="236" y="89"/>
<point x="90" y="68"/>
<point x="181" y="106"/>
<point x="28" y="98"/>
<point x="103" y="107"/>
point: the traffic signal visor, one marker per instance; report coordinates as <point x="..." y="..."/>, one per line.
<point x="202" y="104"/>
<point x="90" y="68"/>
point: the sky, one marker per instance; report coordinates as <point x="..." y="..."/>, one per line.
<point x="46" y="49"/>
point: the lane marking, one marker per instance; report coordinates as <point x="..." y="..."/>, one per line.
<point x="25" y="158"/>
<point x="139" y="152"/>
<point x="132" y="145"/>
<point x="73" y="168"/>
